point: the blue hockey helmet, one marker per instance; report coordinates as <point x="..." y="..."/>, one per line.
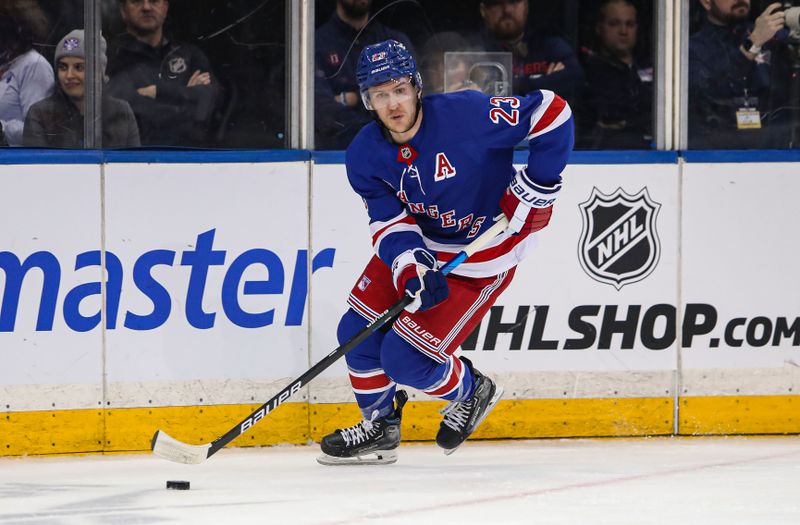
<point x="385" y="61"/>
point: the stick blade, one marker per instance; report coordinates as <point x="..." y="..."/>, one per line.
<point x="167" y="447"/>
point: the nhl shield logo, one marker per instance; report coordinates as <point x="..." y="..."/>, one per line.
<point x="619" y="244"/>
<point x="177" y="65"/>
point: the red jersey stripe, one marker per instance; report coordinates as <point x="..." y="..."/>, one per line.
<point x="405" y="220"/>
<point x="551" y="113"/>
<point x="487" y="254"/>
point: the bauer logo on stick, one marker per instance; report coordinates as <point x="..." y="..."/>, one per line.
<point x="619" y="244"/>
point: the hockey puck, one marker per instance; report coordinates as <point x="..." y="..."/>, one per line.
<point x="178" y="485"/>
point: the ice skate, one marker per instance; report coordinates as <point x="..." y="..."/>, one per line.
<point x="370" y="442"/>
<point x="461" y="418"/>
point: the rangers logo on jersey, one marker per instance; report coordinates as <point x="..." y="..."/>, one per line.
<point x="364" y="282"/>
<point x="619" y="244"/>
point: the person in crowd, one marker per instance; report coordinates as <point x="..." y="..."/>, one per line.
<point x="57" y="121"/>
<point x="729" y="76"/>
<point x="25" y="75"/>
<point x="618" y="100"/>
<point x="441" y="77"/>
<point x="169" y="84"/>
<point x="338" y="43"/>
<point x="539" y="61"/>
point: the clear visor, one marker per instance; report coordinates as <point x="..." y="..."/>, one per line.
<point x="391" y="93"/>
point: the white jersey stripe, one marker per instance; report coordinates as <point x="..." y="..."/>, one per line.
<point x="362" y="309"/>
<point x="491" y="267"/>
<point x="547" y="99"/>
<point x="377" y="226"/>
<point x="456" y="248"/>
<point x="369" y="373"/>
<point x="399" y="227"/>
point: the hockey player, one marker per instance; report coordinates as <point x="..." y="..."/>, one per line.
<point x="434" y="173"/>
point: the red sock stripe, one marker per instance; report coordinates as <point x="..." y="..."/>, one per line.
<point x="452" y="381"/>
<point x="372" y="383"/>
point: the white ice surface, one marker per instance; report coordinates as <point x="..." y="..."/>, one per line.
<point x="615" y="481"/>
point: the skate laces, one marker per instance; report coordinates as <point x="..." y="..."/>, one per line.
<point x="456" y="414"/>
<point x="359" y="432"/>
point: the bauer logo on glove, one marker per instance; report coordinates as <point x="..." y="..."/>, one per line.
<point x="532" y="199"/>
<point x="528" y="205"/>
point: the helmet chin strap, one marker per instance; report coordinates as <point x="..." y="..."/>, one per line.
<point x="387" y="133"/>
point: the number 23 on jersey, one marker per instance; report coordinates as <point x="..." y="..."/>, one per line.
<point x="510" y="114"/>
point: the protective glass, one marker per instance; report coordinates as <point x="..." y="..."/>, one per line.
<point x="222" y="72"/>
<point x="393" y="92"/>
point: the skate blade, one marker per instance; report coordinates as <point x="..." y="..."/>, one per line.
<point x="383" y="457"/>
<point x="498" y="393"/>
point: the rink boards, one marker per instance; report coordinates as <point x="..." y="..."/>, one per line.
<point x="663" y="298"/>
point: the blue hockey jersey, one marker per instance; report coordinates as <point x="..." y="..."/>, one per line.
<point x="443" y="187"/>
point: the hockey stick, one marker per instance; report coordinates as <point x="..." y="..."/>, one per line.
<point x="170" y="448"/>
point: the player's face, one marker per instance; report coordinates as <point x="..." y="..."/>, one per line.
<point x="71" y="77"/>
<point x="395" y="102"/>
<point x="727" y="11"/>
<point x="144" y="16"/>
<point x="617" y="29"/>
<point x="505" y="19"/>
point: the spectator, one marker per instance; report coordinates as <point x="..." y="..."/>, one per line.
<point x="338" y="44"/>
<point x="619" y="95"/>
<point x="169" y="84"/>
<point x="57" y="121"/>
<point x="729" y="76"/>
<point x="25" y="76"/>
<point x="539" y="61"/>
<point x="432" y="64"/>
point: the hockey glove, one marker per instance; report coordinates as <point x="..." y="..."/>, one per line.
<point x="415" y="274"/>
<point x="527" y="205"/>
